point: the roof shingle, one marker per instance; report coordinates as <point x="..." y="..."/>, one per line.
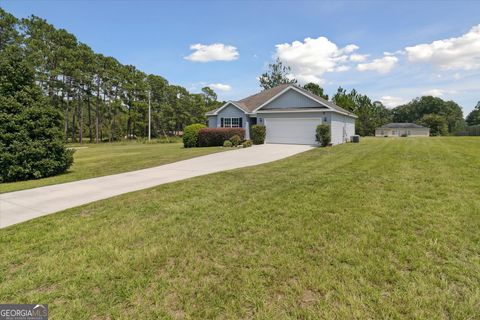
<point x="250" y="103"/>
<point x="401" y="126"/>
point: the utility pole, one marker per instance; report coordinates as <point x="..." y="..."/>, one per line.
<point x="149" y="116"/>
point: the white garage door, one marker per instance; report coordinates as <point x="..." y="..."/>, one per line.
<point x="292" y="130"/>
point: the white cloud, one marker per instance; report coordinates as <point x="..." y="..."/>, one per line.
<point x="392" y="102"/>
<point x="380" y="65"/>
<point x="359" y="57"/>
<point x="312" y="58"/>
<point x="450" y="54"/>
<point x="212" y="52"/>
<point x="433" y="92"/>
<point x="438" y="92"/>
<point x="220" y="87"/>
<point x="342" y="68"/>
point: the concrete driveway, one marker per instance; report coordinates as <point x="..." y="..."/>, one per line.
<point x="19" y="206"/>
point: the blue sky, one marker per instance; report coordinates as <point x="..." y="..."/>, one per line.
<point x="392" y="51"/>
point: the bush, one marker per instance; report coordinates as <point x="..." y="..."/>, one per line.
<point x="247" y="143"/>
<point x="323" y="134"/>
<point x="190" y="135"/>
<point x="210" y="137"/>
<point x="31" y="143"/>
<point x="227" y="144"/>
<point x="258" y="134"/>
<point x="235" y="140"/>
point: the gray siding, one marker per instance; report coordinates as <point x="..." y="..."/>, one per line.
<point x="342" y="128"/>
<point x="212" y="121"/>
<point x="230" y="111"/>
<point x="292" y="99"/>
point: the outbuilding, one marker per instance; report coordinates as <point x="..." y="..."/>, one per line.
<point x="402" y="130"/>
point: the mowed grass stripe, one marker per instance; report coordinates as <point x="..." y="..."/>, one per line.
<point x="387" y="228"/>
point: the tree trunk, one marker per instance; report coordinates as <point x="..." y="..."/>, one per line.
<point x="97" y="112"/>
<point x="101" y="118"/>
<point x="80" y="119"/>
<point x="90" y="133"/>
<point x="66" y="118"/>
<point x="73" y="123"/>
<point x="129" y="123"/>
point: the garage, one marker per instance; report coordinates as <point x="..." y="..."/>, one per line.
<point x="291" y="130"/>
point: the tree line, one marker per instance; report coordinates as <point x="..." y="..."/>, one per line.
<point x="100" y="98"/>
<point x="442" y="117"/>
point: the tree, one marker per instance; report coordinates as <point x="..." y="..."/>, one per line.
<point x="437" y="124"/>
<point x="8" y="29"/>
<point x="417" y="108"/>
<point x="315" y="89"/>
<point x="473" y="118"/>
<point x="31" y="143"/>
<point x="344" y="99"/>
<point x="210" y="96"/>
<point x="370" y="114"/>
<point x="277" y="74"/>
<point x="98" y="96"/>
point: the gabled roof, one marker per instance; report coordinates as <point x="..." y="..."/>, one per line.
<point x="215" y="111"/>
<point x="255" y="102"/>
<point x="401" y="126"/>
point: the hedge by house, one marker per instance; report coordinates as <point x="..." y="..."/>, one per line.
<point x="209" y="137"/>
<point x="323" y="134"/>
<point x="258" y="134"/>
<point x="190" y="135"/>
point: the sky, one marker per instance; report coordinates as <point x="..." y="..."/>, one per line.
<point x="392" y="51"/>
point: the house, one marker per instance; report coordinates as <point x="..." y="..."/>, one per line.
<point x="402" y="129"/>
<point x="290" y="114"/>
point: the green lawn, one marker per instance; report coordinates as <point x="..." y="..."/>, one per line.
<point x="384" y="229"/>
<point x="95" y="160"/>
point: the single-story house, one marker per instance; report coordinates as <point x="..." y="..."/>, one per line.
<point x="402" y="129"/>
<point x="290" y="114"/>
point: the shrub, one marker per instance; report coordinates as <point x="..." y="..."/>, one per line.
<point x="235" y="140"/>
<point x="31" y="143"/>
<point x="190" y="135"/>
<point x="227" y="144"/>
<point x="323" y="134"/>
<point x="209" y="137"/>
<point x="258" y="134"/>
<point x="247" y="143"/>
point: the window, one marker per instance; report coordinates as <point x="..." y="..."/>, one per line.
<point x="231" y="122"/>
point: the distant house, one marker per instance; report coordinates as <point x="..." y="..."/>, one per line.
<point x="289" y="113"/>
<point x="402" y="129"/>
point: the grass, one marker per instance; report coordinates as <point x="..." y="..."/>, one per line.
<point x="95" y="160"/>
<point x="384" y="229"/>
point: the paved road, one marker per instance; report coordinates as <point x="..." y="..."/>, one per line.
<point x="20" y="206"/>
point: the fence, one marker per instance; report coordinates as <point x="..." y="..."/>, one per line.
<point x="470" y="131"/>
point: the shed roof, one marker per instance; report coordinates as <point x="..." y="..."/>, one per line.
<point x="401" y="126"/>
